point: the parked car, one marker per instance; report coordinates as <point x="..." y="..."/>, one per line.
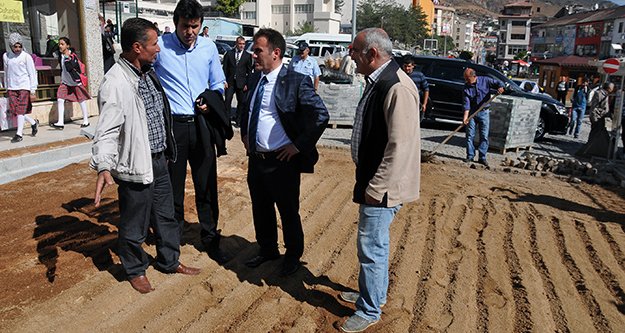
<point x="222" y="48"/>
<point x="446" y="79"/>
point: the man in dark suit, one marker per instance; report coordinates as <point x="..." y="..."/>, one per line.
<point x="283" y="119"/>
<point x="237" y="67"/>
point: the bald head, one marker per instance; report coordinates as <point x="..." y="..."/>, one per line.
<point x="371" y="49"/>
<point x="469" y="76"/>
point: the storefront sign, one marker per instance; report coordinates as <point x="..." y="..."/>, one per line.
<point x="11" y="11"/>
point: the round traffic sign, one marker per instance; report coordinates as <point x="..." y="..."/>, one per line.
<point x="611" y="65"/>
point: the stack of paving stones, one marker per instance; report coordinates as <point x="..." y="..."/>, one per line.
<point x="341" y="100"/>
<point x="513" y="122"/>
<point x="569" y="169"/>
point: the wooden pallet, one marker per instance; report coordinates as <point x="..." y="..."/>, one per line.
<point x="340" y="124"/>
<point x="515" y="149"/>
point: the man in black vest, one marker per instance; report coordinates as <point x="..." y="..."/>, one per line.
<point x="237" y="67"/>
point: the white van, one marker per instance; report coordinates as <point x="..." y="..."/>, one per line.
<point x="330" y="39"/>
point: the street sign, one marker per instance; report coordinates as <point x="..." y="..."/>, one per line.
<point x="611" y="65"/>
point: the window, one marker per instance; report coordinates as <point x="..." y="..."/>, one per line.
<point x="449" y="73"/>
<point x="620" y="27"/>
<point x="250" y="0"/>
<point x="249" y="15"/>
<point x="308" y="8"/>
<point x="280" y="9"/>
<point x="518" y="23"/>
<point x="514" y="50"/>
<point x="517" y="36"/>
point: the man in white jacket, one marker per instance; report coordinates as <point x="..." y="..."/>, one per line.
<point x="132" y="144"/>
<point x="20" y="80"/>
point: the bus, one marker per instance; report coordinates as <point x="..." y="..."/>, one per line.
<point x="331" y="39"/>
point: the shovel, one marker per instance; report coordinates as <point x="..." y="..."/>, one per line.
<point x="427" y="156"/>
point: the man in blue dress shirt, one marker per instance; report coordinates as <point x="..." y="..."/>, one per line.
<point x="476" y="93"/>
<point x="303" y="63"/>
<point x="186" y="66"/>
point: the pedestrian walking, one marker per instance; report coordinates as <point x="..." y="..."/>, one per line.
<point x="420" y="81"/>
<point x="71" y="88"/>
<point x="20" y="81"/>
<point x="303" y="63"/>
<point x="237" y="66"/>
<point x="562" y="89"/>
<point x="579" y="101"/>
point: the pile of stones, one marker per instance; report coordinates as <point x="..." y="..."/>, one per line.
<point x="570" y="169"/>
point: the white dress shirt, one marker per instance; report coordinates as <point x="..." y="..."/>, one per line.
<point x="20" y="73"/>
<point x="270" y="135"/>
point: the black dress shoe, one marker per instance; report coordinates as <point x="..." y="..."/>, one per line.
<point x="290" y="267"/>
<point x="221" y="257"/>
<point x="57" y="126"/>
<point x="35" y="128"/>
<point x="16" y="138"/>
<point x="260" y="259"/>
<point x="85" y="125"/>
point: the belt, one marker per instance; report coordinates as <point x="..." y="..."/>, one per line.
<point x="156" y="156"/>
<point x="184" y="119"/>
<point x="264" y="155"/>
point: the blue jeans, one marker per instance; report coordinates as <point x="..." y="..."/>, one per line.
<point x="482" y="120"/>
<point x="373" y="251"/>
<point x="577" y="115"/>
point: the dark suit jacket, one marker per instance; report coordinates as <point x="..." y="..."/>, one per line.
<point x="302" y="113"/>
<point x="237" y="73"/>
<point x="215" y="127"/>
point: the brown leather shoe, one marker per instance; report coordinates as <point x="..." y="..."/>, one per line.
<point x="182" y="269"/>
<point x="141" y="284"/>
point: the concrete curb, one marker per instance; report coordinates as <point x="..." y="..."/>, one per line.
<point x="19" y="167"/>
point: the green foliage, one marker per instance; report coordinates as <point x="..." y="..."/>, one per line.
<point x="491" y="58"/>
<point x="404" y="26"/>
<point x="229" y="7"/>
<point x="302" y="29"/>
<point x="466" y="55"/>
<point x="445" y="43"/>
<point x="521" y="55"/>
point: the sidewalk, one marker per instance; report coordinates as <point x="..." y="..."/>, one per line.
<point x="50" y="150"/>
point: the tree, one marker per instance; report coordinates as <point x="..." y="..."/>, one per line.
<point x="445" y="44"/>
<point x="404" y="26"/>
<point x="229" y="7"/>
<point x="521" y="55"/>
<point x="466" y="55"/>
<point x="491" y="58"/>
<point x="302" y="29"/>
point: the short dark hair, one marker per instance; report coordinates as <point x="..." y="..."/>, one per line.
<point x="239" y="38"/>
<point x="274" y="39"/>
<point x="407" y="59"/>
<point x="188" y="9"/>
<point x="135" y="30"/>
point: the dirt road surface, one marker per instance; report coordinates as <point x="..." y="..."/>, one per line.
<point x="480" y="251"/>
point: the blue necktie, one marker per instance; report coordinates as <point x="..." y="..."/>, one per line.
<point x="253" y="127"/>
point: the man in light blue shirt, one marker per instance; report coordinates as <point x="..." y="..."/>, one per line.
<point x="306" y="65"/>
<point x="186" y="66"/>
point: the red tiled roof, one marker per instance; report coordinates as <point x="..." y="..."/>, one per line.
<point x="567" y="61"/>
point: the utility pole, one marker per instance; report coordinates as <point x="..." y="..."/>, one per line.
<point x="354" y="4"/>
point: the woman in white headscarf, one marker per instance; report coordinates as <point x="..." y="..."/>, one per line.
<point x="20" y="80"/>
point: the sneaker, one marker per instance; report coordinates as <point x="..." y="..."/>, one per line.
<point x="16" y="138"/>
<point x="468" y="160"/>
<point x="483" y="162"/>
<point x="356" y="323"/>
<point x="351" y="297"/>
<point x="35" y="128"/>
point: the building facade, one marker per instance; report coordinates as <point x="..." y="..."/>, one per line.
<point x="289" y="15"/>
<point x="514" y="30"/>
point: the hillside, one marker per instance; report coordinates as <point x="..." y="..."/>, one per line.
<point x="492" y="8"/>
